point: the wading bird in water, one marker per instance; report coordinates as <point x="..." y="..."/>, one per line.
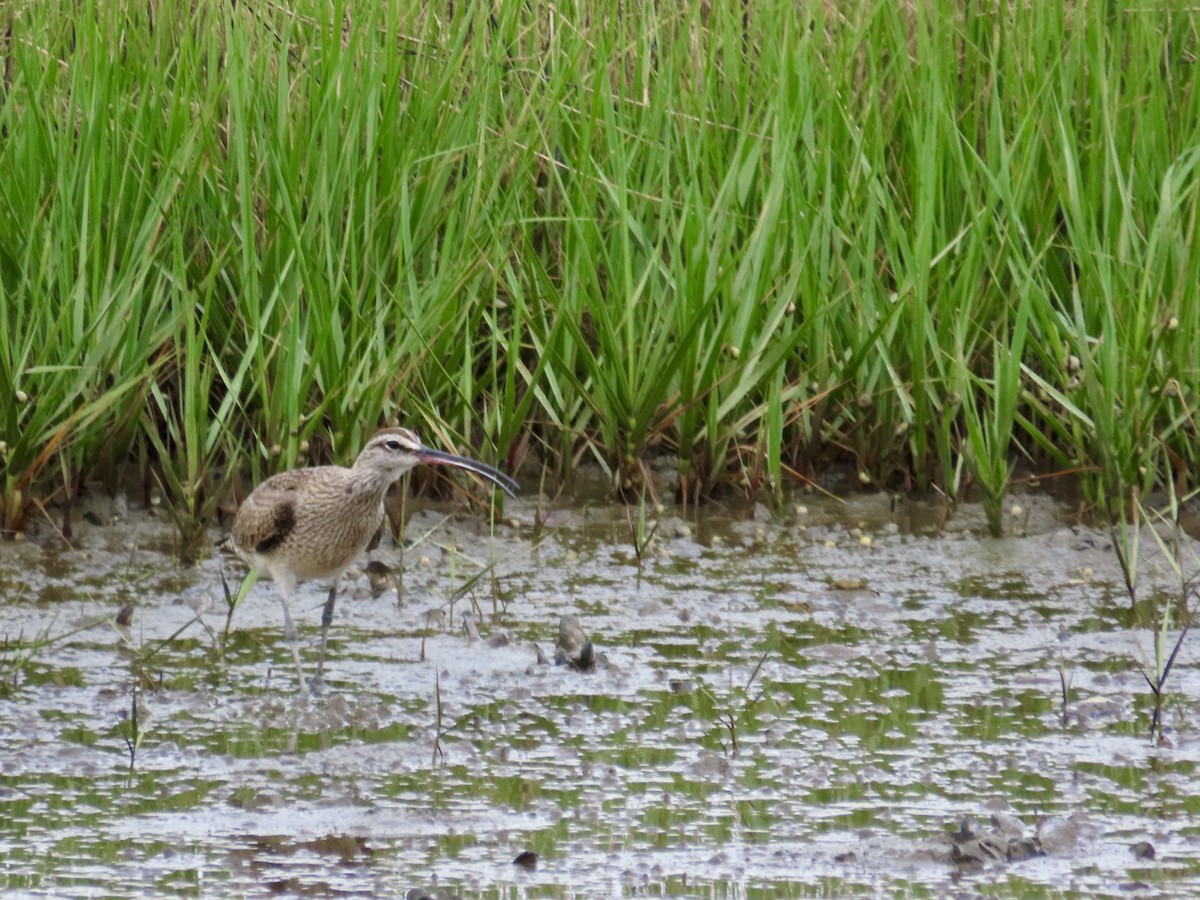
<point x="310" y="524"/>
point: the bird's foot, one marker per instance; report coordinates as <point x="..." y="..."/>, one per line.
<point x="317" y="686"/>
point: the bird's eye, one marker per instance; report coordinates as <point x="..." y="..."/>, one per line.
<point x="394" y="446"/>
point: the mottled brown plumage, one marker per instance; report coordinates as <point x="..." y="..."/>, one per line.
<point x="310" y="524"/>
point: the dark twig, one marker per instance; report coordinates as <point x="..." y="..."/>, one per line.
<point x="1066" y="688"/>
<point x="1158" y="683"/>
<point x="437" y="730"/>
<point x="133" y="740"/>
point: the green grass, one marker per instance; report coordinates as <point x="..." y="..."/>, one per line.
<point x="927" y="240"/>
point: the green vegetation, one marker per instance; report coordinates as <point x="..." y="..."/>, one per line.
<point x="928" y="239"/>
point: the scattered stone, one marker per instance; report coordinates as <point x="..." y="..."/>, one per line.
<point x="968" y="828"/>
<point x="1024" y="848"/>
<point x="1008" y="824"/>
<point x="1005" y="841"/>
<point x="200" y="601"/>
<point x="711" y="765"/>
<point x="847" y="584"/>
<point x="1058" y="835"/>
<point x="101" y="509"/>
<point x="1143" y="850"/>
<point x="574" y="647"/>
<point x="680" y="530"/>
<point x="526" y="860"/>
<point x="379" y="577"/>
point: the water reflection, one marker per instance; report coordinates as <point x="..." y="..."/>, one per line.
<point x="777" y="708"/>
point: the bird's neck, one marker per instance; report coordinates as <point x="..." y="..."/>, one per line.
<point x="367" y="480"/>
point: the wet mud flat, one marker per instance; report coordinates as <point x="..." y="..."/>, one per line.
<point x="856" y="697"/>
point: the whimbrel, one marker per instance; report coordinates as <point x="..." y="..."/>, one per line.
<point x="310" y="524"/>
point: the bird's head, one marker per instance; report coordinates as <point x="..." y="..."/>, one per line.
<point x="394" y="451"/>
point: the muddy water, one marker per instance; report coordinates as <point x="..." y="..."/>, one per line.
<point x="780" y="707"/>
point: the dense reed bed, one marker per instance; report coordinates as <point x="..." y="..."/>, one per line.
<point x="933" y="240"/>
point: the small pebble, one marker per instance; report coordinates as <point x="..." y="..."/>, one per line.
<point x="200" y="601"/>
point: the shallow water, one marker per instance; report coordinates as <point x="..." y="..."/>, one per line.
<point x="780" y="708"/>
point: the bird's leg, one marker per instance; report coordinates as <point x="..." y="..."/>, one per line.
<point x="326" y="620"/>
<point x="289" y="629"/>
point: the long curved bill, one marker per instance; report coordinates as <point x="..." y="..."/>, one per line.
<point x="498" y="478"/>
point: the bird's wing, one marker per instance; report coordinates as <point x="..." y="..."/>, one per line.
<point x="378" y="536"/>
<point x="268" y="515"/>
